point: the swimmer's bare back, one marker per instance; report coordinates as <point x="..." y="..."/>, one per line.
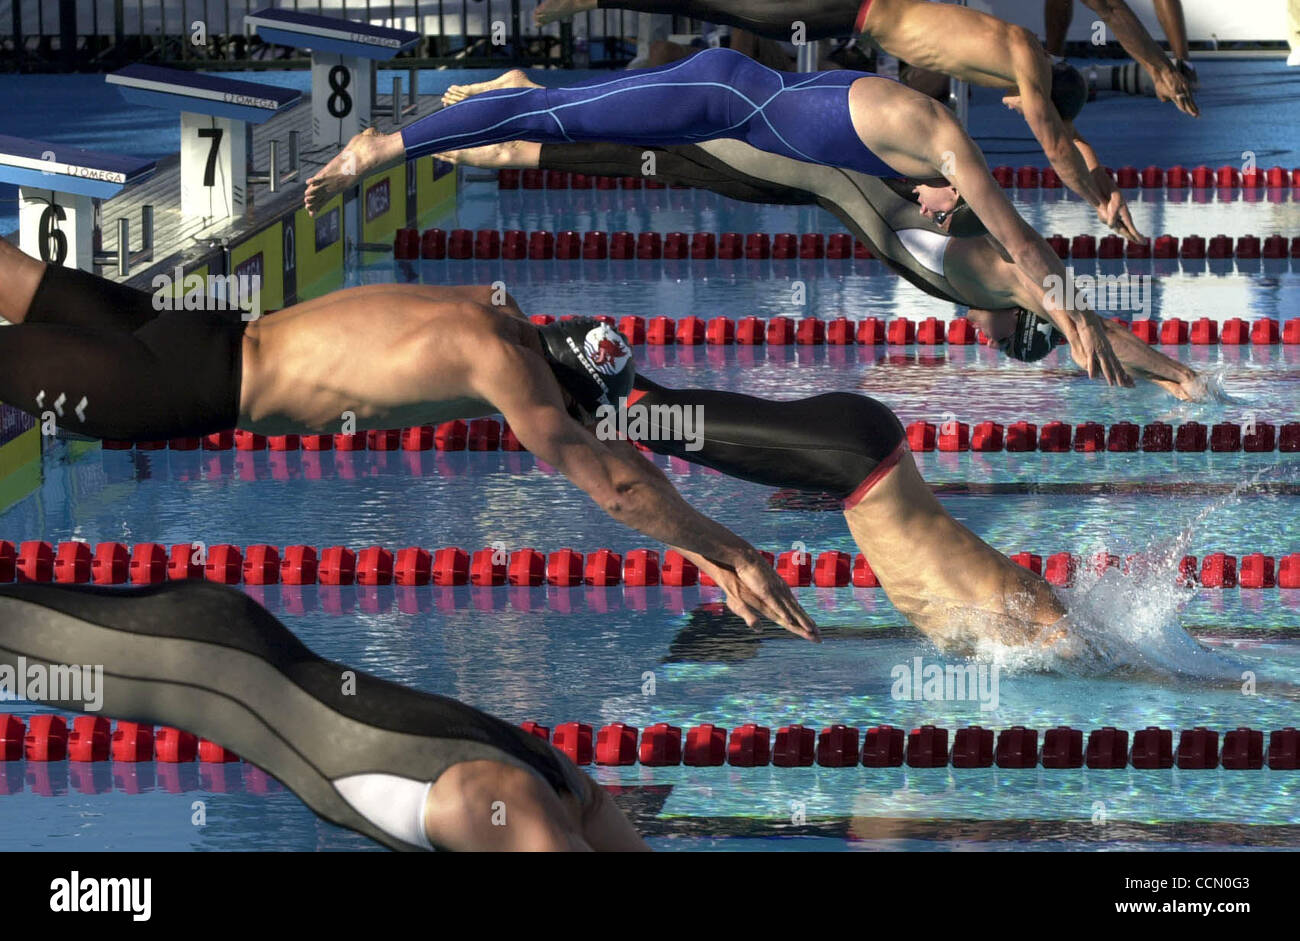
<point x="391" y="355"/>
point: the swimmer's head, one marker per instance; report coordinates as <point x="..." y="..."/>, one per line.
<point x="591" y="361"/>
<point x="1069" y="92"/>
<point x="937" y="202"/>
<point x="1031" y="339"/>
<point x="946" y="207"/>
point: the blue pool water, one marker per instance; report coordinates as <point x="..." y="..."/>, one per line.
<point x="556" y="655"/>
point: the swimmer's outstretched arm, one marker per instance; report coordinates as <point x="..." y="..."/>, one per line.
<point x="963" y="165"/>
<point x="628" y="488"/>
<point x="1114" y="201"/>
<point x="1171" y="85"/>
<point x="408" y="769"/>
<point x="977" y="262"/>
<point x="1146" y="362"/>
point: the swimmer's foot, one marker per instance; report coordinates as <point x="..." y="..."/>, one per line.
<point x="365" y="152"/>
<point x="549" y="11"/>
<point x="515" y="78"/>
<point x="515" y="153"/>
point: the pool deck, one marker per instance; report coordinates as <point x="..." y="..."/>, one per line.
<point x="182" y="241"/>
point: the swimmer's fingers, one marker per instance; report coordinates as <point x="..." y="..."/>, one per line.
<point x="1097" y="355"/>
<point x="1111" y="367"/>
<point x="737" y="606"/>
<point x="1127" y="228"/>
<point x="1120" y="219"/>
<point x="774" y="597"/>
<point x="1178" y="90"/>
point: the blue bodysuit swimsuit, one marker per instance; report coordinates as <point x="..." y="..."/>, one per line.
<point x="715" y="93"/>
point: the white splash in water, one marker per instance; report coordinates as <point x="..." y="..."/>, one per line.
<point x="1210" y="388"/>
<point x="1127" y="622"/>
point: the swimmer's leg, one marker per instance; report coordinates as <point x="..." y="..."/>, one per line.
<point x="361" y="752"/>
<point x="827" y="443"/>
<point x="176" y="376"/>
<point x="684" y="165"/>
<point x="853" y="447"/>
<point x="36" y="292"/>
<point x="20" y="274"/>
<point x="600" y="109"/>
<point x="514" y="78"/>
<point x="673" y="104"/>
<point x="688" y="164"/>
<point x="716" y="93"/>
<point x="519" y="154"/>
<point x="775" y="19"/>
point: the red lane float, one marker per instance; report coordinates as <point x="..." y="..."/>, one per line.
<point x="414" y="566"/>
<point x="543" y="245"/>
<point x="48" y="738"/>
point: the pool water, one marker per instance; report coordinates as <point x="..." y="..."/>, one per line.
<point x="667" y="655"/>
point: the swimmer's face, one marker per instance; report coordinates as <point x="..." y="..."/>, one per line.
<point x="998" y="325"/>
<point x="936" y="201"/>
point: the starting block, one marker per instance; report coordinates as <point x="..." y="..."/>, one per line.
<point x="60" y="190"/>
<point x="344" y="54"/>
<point x="217" y="115"/>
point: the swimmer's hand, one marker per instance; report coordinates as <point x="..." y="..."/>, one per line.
<point x="1113" y="208"/>
<point x="1091" y="350"/>
<point x="1172" y="85"/>
<point x="1194" y="389"/>
<point x="754" y="591"/>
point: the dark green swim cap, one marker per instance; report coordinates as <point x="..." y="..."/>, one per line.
<point x="963" y="223"/>
<point x="1032" y="339"/>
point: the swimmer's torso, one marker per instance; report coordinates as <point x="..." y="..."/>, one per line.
<point x="391" y="355"/>
<point x="973" y="51"/>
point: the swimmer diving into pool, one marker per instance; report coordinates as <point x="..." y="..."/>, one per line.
<point x="846" y="119"/>
<point x="956" y="40"/>
<point x="392" y="355"/>
<point x="926" y="234"/>
<point x="951" y="585"/>
<point x="388" y="353"/>
<point x="409" y="769"/>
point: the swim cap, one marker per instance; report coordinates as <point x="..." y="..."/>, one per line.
<point x="1032" y="339"/>
<point x="1069" y="90"/>
<point x="963" y="223"/>
<point x="590" y="359"/>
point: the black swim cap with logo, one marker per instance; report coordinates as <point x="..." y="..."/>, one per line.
<point x="591" y="360"/>
<point x="1032" y="339"/>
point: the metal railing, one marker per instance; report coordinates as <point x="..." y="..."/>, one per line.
<point x="94" y="35"/>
